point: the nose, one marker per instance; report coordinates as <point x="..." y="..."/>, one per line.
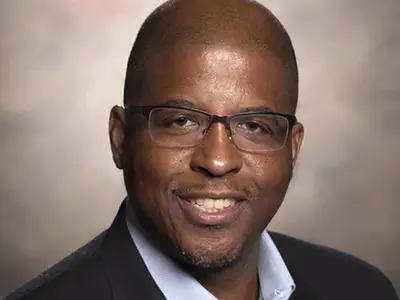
<point x="216" y="155"/>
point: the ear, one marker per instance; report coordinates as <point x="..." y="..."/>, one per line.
<point x="297" y="140"/>
<point x="116" y="129"/>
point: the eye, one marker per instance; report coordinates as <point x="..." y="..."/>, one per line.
<point x="180" y="122"/>
<point x="254" y="127"/>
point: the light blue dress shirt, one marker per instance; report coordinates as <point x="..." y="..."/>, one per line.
<point x="276" y="283"/>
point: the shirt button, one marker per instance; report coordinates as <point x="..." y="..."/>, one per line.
<point x="278" y="293"/>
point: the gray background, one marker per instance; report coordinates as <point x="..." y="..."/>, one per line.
<point x="62" y="67"/>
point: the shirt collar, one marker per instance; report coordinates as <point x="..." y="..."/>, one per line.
<point x="275" y="279"/>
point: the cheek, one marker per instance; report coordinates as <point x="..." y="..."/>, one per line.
<point x="270" y="171"/>
<point x="155" y="162"/>
<point x="271" y="175"/>
<point x="157" y="166"/>
<point x="157" y="169"/>
<point x="161" y="164"/>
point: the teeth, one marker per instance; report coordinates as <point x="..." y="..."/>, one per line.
<point x="228" y="202"/>
<point x="200" y="202"/>
<point x="209" y="203"/>
<point x="213" y="205"/>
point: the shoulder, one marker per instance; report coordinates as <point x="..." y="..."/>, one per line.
<point x="329" y="270"/>
<point x="78" y="276"/>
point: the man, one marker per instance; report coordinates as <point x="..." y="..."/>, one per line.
<point x="207" y="141"/>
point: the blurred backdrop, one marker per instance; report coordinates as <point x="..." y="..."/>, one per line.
<point x="62" y="68"/>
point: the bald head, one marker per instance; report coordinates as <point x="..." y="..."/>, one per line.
<point x="242" y="23"/>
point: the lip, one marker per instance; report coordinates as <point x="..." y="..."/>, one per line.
<point x="213" y="195"/>
<point x="201" y="217"/>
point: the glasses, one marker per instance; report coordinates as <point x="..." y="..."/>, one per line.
<point x="179" y="127"/>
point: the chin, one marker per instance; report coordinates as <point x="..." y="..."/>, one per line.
<point x="209" y="259"/>
<point x="211" y="255"/>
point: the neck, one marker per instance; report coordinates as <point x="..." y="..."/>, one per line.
<point x="236" y="282"/>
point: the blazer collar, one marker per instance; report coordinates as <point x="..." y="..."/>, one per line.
<point x="128" y="276"/>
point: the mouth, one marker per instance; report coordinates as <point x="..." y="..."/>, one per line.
<point x="211" y="210"/>
<point x="211" y="205"/>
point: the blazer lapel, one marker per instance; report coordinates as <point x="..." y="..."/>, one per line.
<point x="128" y="276"/>
<point x="303" y="291"/>
<point x="288" y="250"/>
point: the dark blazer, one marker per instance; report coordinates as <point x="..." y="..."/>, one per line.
<point x="110" y="267"/>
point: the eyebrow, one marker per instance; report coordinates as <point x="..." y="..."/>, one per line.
<point x="180" y="103"/>
<point x="257" y="109"/>
<point x="190" y="104"/>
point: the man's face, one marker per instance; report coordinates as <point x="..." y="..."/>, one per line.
<point x="163" y="183"/>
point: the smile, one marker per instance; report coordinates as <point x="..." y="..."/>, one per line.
<point x="212" y="205"/>
<point x="211" y="211"/>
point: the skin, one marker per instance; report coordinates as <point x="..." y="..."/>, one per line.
<point x="223" y="78"/>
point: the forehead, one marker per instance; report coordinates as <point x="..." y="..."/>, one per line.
<point x="218" y="78"/>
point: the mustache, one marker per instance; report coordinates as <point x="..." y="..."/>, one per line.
<point x="250" y="190"/>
